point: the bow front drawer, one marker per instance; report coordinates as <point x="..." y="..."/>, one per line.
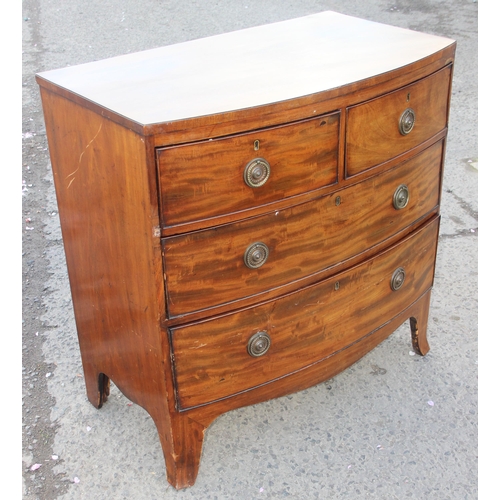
<point x="207" y="268"/>
<point x="221" y="176"/>
<point x="217" y="358"/>
<point x="387" y="126"/>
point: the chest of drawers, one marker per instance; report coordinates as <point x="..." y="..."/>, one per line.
<point x="247" y="215"/>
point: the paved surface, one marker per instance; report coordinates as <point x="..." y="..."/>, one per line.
<point x="392" y="426"/>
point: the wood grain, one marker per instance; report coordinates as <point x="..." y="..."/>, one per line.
<point x="195" y="179"/>
<point x="318" y="372"/>
<point x="206" y="268"/>
<point x="211" y="359"/>
<point x="373" y="135"/>
<point x="101" y="206"/>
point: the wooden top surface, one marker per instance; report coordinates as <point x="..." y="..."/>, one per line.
<point x="244" y="69"/>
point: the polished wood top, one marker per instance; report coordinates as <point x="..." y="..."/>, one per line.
<point x="243" y="69"/>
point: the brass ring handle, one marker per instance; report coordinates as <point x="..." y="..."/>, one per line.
<point x="398" y="278"/>
<point x="256" y="255"/>
<point x="259" y="344"/>
<point x="401" y="197"/>
<point x="406" y="121"/>
<point x="257" y="172"/>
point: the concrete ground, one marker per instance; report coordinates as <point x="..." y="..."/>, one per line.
<point x="392" y="426"/>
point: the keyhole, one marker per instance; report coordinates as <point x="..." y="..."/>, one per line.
<point x="256" y="144"/>
<point x="408" y="97"/>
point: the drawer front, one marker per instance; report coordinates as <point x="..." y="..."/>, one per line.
<point x="207" y="268"/>
<point x="373" y="133"/>
<point x="221" y="176"/>
<point x="212" y="360"/>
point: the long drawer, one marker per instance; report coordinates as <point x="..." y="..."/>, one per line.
<point x="207" y="268"/>
<point x="215" y="177"/>
<point x="392" y="124"/>
<point x="217" y="358"/>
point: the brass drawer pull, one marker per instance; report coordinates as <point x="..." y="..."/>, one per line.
<point x="257" y="172"/>
<point x="256" y="255"/>
<point x="407" y="121"/>
<point x="259" y="344"/>
<point x="398" y="278"/>
<point x="401" y="197"/>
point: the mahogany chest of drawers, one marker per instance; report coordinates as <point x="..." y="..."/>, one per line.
<point x="248" y="214"/>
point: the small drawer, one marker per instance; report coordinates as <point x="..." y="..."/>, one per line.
<point x="221" y="176"/>
<point x="387" y="126"/>
<point x="230" y="354"/>
<point x="207" y="268"/>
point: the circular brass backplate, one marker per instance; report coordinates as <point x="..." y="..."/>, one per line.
<point x="401" y="197"/>
<point x="398" y="278"/>
<point x="257" y="172"/>
<point x="407" y="121"/>
<point x="256" y="255"/>
<point x="259" y="344"/>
